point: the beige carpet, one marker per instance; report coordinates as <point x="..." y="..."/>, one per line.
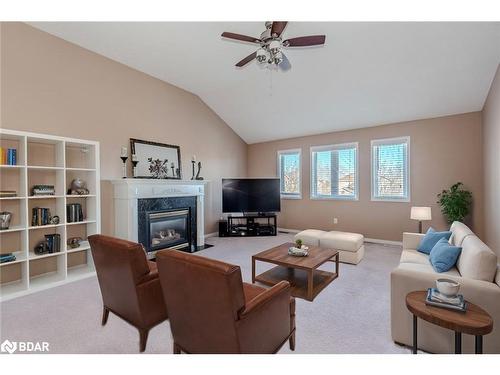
<point x="352" y="315"/>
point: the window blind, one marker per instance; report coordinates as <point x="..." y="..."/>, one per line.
<point x="390" y="169"/>
<point x="289" y="172"/>
<point x="334" y="172"/>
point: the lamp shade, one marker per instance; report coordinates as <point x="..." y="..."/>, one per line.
<point x="421" y="213"/>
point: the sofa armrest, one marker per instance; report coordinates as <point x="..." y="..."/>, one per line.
<point x="412" y="240"/>
<point x="497" y="276"/>
<point x="265" y="322"/>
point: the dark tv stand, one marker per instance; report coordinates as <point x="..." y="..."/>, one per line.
<point x="252" y="225"/>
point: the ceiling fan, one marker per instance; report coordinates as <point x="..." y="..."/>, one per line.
<point x="271" y="44"/>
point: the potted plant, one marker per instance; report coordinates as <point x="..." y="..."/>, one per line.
<point x="455" y="203"/>
<point x="298" y="243"/>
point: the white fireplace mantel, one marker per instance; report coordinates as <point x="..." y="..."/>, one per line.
<point x="127" y="191"/>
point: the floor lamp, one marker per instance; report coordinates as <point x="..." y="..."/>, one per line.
<point x="420" y="214"/>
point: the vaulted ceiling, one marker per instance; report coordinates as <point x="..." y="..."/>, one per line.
<point x="367" y="74"/>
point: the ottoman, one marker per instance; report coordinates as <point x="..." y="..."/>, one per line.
<point x="350" y="245"/>
<point x="310" y="236"/>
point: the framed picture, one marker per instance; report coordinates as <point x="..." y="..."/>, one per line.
<point x="156" y="160"/>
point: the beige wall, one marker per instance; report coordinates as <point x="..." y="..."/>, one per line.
<point x="491" y="156"/>
<point x="443" y="151"/>
<point x="51" y="86"/>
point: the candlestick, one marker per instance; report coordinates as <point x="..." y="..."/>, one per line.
<point x="134" y="165"/>
<point x="124" y="171"/>
<point x="193" y="162"/>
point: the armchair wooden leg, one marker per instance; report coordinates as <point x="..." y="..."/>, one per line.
<point x="177" y="349"/>
<point x="105" y="314"/>
<point x="291" y="341"/>
<point x="143" y="338"/>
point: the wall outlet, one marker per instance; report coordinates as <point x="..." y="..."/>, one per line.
<point x="335" y="220"/>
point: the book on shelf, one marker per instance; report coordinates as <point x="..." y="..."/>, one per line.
<point x="8" y="257"/>
<point x="8" y="156"/>
<point x="437" y="299"/>
<point x="40" y="216"/>
<point x="8" y="193"/>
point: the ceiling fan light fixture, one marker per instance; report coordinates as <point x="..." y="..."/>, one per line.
<point x="271" y="44"/>
<point x="261" y="56"/>
<point x="278" y="58"/>
<point x="274" y="46"/>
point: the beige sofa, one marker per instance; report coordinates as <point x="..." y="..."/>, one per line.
<point x="476" y="270"/>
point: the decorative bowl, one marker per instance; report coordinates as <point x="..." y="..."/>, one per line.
<point x="296" y="252"/>
<point x="448" y="287"/>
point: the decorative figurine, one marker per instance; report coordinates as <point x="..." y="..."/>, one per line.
<point x="198" y="174"/>
<point x="78" y="187"/>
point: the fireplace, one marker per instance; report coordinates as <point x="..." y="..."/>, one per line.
<point x="135" y="199"/>
<point x="169" y="229"/>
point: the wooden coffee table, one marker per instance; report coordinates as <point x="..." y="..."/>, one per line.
<point x="301" y="272"/>
<point x="475" y="321"/>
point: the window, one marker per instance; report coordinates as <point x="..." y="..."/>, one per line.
<point x="289" y="173"/>
<point x="334" y="172"/>
<point x="390" y="169"/>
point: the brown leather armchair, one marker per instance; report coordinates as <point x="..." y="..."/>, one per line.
<point x="129" y="284"/>
<point x="212" y="311"/>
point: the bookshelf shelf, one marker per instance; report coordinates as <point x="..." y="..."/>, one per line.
<point x="82" y="222"/>
<point x="11" y="198"/>
<point x="34" y="227"/>
<point x="47" y="160"/>
<point x="6" y="166"/>
<point x="13" y="228"/>
<point x="41" y="256"/>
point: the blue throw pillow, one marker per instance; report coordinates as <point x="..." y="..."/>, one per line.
<point x="444" y="256"/>
<point x="430" y="239"/>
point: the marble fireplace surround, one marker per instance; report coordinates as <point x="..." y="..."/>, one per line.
<point x="128" y="191"/>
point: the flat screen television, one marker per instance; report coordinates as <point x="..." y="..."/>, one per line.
<point x="251" y="195"/>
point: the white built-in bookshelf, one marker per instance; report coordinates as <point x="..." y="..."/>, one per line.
<point x="49" y="160"/>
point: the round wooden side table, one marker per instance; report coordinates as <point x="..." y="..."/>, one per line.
<point x="475" y="321"/>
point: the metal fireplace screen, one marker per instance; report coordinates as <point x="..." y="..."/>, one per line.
<point x="169" y="229"/>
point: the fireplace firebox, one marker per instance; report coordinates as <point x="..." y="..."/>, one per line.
<point x="167" y="223"/>
<point x="168" y="229"/>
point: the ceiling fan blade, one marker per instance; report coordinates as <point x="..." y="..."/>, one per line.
<point x="242" y="38"/>
<point x="247" y="59"/>
<point x="278" y="27"/>
<point x="305" y="41"/>
<point x="285" y="64"/>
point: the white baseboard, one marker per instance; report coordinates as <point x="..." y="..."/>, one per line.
<point x="372" y="240"/>
<point x="288" y="230"/>
<point x="213" y="234"/>
<point x="384" y="242"/>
